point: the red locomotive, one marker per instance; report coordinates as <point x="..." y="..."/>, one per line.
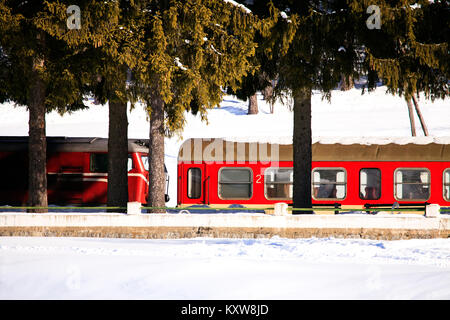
<point x="76" y="170"/>
<point x="354" y="175"/>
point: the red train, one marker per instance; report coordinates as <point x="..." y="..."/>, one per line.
<point x="357" y="174"/>
<point x="221" y="173"/>
<point x="76" y="167"/>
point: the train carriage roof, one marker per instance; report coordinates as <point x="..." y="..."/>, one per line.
<point x="323" y="149"/>
<point x="71" y="144"/>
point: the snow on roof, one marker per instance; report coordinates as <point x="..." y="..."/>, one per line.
<point x="323" y="149"/>
<point x="70" y="144"/>
<point x="347" y="140"/>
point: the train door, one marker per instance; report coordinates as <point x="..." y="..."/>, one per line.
<point x="196" y="184"/>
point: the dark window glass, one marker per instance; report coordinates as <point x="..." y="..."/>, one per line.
<point x="370" y="184"/>
<point x="278" y="183"/>
<point x="235" y="183"/>
<point x="329" y="183"/>
<point x="99" y="162"/>
<point x="447" y="184"/>
<point x="412" y="184"/>
<point x="194" y="183"/>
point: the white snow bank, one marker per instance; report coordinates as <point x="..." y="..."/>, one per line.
<point x="203" y="268"/>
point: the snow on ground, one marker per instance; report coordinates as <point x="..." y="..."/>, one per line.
<point x="208" y="269"/>
<point x="82" y="268"/>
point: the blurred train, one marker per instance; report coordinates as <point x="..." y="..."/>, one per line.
<point x="77" y="170"/>
<point x="349" y="173"/>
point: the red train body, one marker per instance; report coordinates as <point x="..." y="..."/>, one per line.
<point x="219" y="173"/>
<point x="76" y="170"/>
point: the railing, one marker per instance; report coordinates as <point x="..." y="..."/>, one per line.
<point x="289" y="210"/>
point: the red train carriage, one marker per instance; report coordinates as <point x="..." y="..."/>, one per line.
<point x="76" y="167"/>
<point x="358" y="174"/>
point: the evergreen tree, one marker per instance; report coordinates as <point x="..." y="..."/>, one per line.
<point x="321" y="49"/>
<point x="109" y="42"/>
<point x="38" y="72"/>
<point x="192" y="50"/>
<point x="180" y="53"/>
<point x="410" y="50"/>
<point x="273" y="36"/>
<point x="332" y="41"/>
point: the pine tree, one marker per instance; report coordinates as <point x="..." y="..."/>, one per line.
<point x="192" y="50"/>
<point x="273" y="36"/>
<point x="36" y="72"/>
<point x="410" y="51"/>
<point x="109" y="41"/>
<point x="180" y="53"/>
<point x="318" y="53"/>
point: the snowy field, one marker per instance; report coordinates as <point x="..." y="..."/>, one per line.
<point x="81" y="268"/>
<point x="205" y="269"/>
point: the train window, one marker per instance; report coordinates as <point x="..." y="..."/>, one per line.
<point x="447" y="184"/>
<point x="412" y="184"/>
<point x="370" y="184"/>
<point x="194" y="183"/>
<point x="278" y="183"/>
<point x="235" y="183"/>
<point x="329" y="183"/>
<point x="99" y="162"/>
<point x="146" y="166"/>
<point x="145" y="161"/>
<point x="129" y="163"/>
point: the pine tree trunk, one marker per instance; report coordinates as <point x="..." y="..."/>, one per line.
<point x="411" y="116"/>
<point x="37" y="144"/>
<point x="302" y="149"/>
<point x="253" y="105"/>
<point x="419" y="114"/>
<point x="117" y="155"/>
<point x="268" y="93"/>
<point x="157" y="178"/>
<point x="346" y="83"/>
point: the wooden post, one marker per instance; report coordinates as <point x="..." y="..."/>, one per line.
<point x="411" y="116"/>
<point x="419" y="114"/>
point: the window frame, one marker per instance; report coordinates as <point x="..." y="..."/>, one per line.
<point x="444" y="184"/>
<point x="413" y="168"/>
<point x="265" y="183"/>
<point x="337" y="183"/>
<point x="187" y="183"/>
<point x="381" y="184"/>
<point x="234" y="168"/>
